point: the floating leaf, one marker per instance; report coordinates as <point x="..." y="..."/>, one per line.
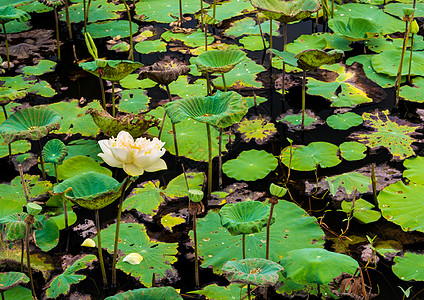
<point x="248" y="26"/>
<point x="100" y="10"/>
<point x="170" y="221"/>
<point x="344" y="121"/>
<point x="389" y="132"/>
<point x="414" y="169"/>
<point x="146" y="47"/>
<point x="232" y="8"/>
<point x="307" y="158"/>
<point x="250" y="165"/>
<point x="257" y="128"/>
<point x="319" y="40"/>
<point x="132" y="82"/>
<point x="158" y="293"/>
<point x="42" y="88"/>
<point x="286" y="11"/>
<point x="413" y="93"/>
<point x="43" y="66"/>
<point x="157" y="256"/>
<point x="362" y="211"/>
<point x="213" y="291"/>
<point x="182" y="88"/>
<point x="387" y="63"/>
<point x="110" y="29"/>
<point x="382" y="44"/>
<point x="352" y="150"/>
<point x="349" y="181"/>
<point x="163" y="11"/>
<point x="78" y="165"/>
<point x="194" y="39"/>
<point x="409" y="267"/>
<point x="396" y="9"/>
<point x="18" y="292"/>
<point x="294" y="121"/>
<point x="61" y="284"/>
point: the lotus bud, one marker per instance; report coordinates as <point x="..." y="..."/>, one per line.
<point x="195" y="195"/>
<point x="277" y="190"/>
<point x="133" y="258"/>
<point x="92" y="49"/>
<point x="101" y="63"/>
<point x="33" y="209"/>
<point x="414" y="27"/>
<point x="408" y="11"/>
<point x="88" y="243"/>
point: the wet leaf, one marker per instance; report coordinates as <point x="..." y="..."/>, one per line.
<point x="110" y="29"/>
<point x="387" y="63"/>
<point x="344" y="121"/>
<point x="352" y="151"/>
<point x="163" y="11"/>
<point x="150" y="46"/>
<point x="408" y="267"/>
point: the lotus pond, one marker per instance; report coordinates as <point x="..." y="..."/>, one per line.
<point x="232" y="149"/>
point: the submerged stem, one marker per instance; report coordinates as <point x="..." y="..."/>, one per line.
<point x="208" y="130"/>
<point x="99" y="247"/>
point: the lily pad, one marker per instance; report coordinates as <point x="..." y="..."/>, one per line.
<point x="133" y="101"/>
<point x="100" y="10"/>
<point x="183" y="89"/>
<point x="157" y="256"/>
<point x="319" y="40"/>
<point x="78" y="165"/>
<point x="110" y="29"/>
<point x="362" y="211"/>
<point x="413" y="93"/>
<point x="43" y="66"/>
<point x="146" y="47"/>
<point x="158" y="293"/>
<point x="248" y="26"/>
<point x="387" y="63"/>
<point x="408" y="267"/>
<point x="344" y="121"/>
<point x="293" y="229"/>
<point x="253" y="43"/>
<point x="162" y="11"/>
<point x="232" y="8"/>
<point x="213" y="291"/>
<point x="294" y="121"/>
<point x="42" y="88"/>
<point x="250" y="165"/>
<point x="194" y="39"/>
<point x="396" y="9"/>
<point x="414" y="169"/>
<point x="257" y="128"/>
<point x="349" y="181"/>
<point x="132" y="82"/>
<point x="388" y="132"/>
<point x="382" y="44"/>
<point x="307" y="158"/>
<point x="352" y="151"/>
<point x="286" y="11"/>
<point x="61" y="284"/>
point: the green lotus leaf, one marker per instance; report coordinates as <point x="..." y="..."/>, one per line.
<point x="389" y="132"/>
<point x="10" y="13"/>
<point x="114" y="70"/>
<point x="61" y="284"/>
<point x="136" y="125"/>
<point x="157" y="256"/>
<point x="11" y="197"/>
<point x="382" y="44"/>
<point x="53" y="3"/>
<point x="294" y="121"/>
<point x="11" y="279"/>
<point x="13" y="226"/>
<point x="18" y="82"/>
<point x="213" y="291"/>
<point x="42" y="88"/>
<point x="33" y="7"/>
<point x="319" y="40"/>
<point x="287" y="57"/>
<point x="85" y="147"/>
<point x="221" y="110"/>
<point x="314" y="265"/>
<point x="388" y="62"/>
<point x="352" y="150"/>
<point x="401" y="204"/>
<point x="75" y="119"/>
<point x="344" y="121"/>
<point x="219" y="61"/>
<point x="229" y="9"/>
<point x="100" y="10"/>
<point x="48" y="237"/>
<point x="248" y="26"/>
<point x="148" y="196"/>
<point x="120" y="47"/>
<point x="313" y="58"/>
<point x="157" y="293"/>
<point x="307" y="158"/>
<point x="253" y="43"/>
<point x="163" y="11"/>
<point x="184" y="89"/>
<point x="256" y="271"/>
<point x="242" y="76"/>
<point x="292" y="288"/>
<point x="31" y="123"/>
<point x="112" y="29"/>
<point x="409" y="267"/>
<point x="8" y="94"/>
<point x="388" y="23"/>
<point x="43" y="66"/>
<point x="396" y="9"/>
<point x="413" y="93"/>
<point x="362" y="211"/>
<point x="349" y="181"/>
<point x="414" y="169"/>
<point x="355" y="29"/>
<point x="16" y="27"/>
<point x="164" y="71"/>
<point x="132" y="82"/>
<point x="90" y="190"/>
<point x="245" y="217"/>
<point x="286" y="11"/>
<point x="194" y="39"/>
<point x="293" y="229"/>
<point x="77" y="165"/>
<point x="250" y="165"/>
<point x="257" y="128"/>
<point x="18" y="292"/>
<point x="54" y="151"/>
<point x="146" y="47"/>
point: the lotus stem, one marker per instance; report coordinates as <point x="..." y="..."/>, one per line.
<point x="102" y="89"/>
<point x="208" y="130"/>
<point x="118" y="223"/>
<point x="7" y="46"/>
<point x="208" y="85"/>
<point x="181" y="13"/>
<point x="273" y="201"/>
<point x="86" y="12"/>
<point x="9" y="145"/>
<point x="113" y="100"/>
<point x="4" y="111"/>
<point x="243" y="242"/>
<point x="21" y="174"/>
<point x="260" y="30"/>
<point x="99" y="249"/>
<point x="223" y="81"/>
<point x="201" y="15"/>
<point x="161" y="125"/>
<point x="399" y="73"/>
<point x="43" y="171"/>
<point x="22" y="254"/>
<point x="410" y="58"/>
<point x="65" y="211"/>
<point x="374" y="183"/>
<point x="303" y="98"/>
<point x="28" y="232"/>
<point x="248" y="292"/>
<point x="332" y="8"/>
<point x="174" y="131"/>
<point x="220" y="158"/>
<point x="283" y="88"/>
<point x="206" y="37"/>
<point x="270" y="44"/>
<point x="131" y="54"/>
<point x="196" y="257"/>
<point x="56" y="19"/>
<point x="55" y="173"/>
<point x="2" y="295"/>
<point x="68" y="22"/>
<point x="319" y="290"/>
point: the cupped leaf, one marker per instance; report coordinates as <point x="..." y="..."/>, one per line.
<point x="221" y="110"/>
<point x="54" y="151"/>
<point x="286" y="11"/>
<point x="61" y="284"/>
<point x="90" y="190"/>
<point x="355" y="29"/>
<point x="352" y="150"/>
<point x="13" y="226"/>
<point x="256" y="271"/>
<point x="157" y="256"/>
<point x="30" y="123"/>
<point x="344" y="121"/>
<point x="11" y="279"/>
<point x="157" y="293"/>
<point x="10" y="13"/>
<point x="219" y="61"/>
<point x="250" y="165"/>
<point x="408" y="267"/>
<point x="164" y="71"/>
<point x="114" y="70"/>
<point x="312" y="265"/>
<point x="307" y="158"/>
<point x="313" y="58"/>
<point x="245" y="217"/>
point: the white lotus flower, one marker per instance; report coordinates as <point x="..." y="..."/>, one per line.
<point x="134" y="156"/>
